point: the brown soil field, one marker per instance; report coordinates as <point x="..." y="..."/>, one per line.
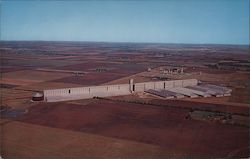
<point x="160" y="126"/>
<point x="226" y="79"/>
<point x="18" y="103"/>
<point x="14" y="93"/>
<point x="36" y="63"/>
<point x="222" y="100"/>
<point x="125" y="80"/>
<point x="125" y="68"/>
<point x="90" y="78"/>
<point x="58" y="57"/>
<point x="16" y="98"/>
<point x="7" y="85"/>
<point x="18" y="82"/>
<point x="28" y="141"/>
<point x="212" y="103"/>
<point x="10" y="69"/>
<point x="240" y="95"/>
<point x="86" y="66"/>
<point x="47" y="85"/>
<point x="130" y="68"/>
<point x="34" y="75"/>
<point x="204" y="106"/>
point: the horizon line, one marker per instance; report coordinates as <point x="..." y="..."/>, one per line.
<point x="134" y="42"/>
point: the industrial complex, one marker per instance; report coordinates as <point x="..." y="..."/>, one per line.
<point x="166" y="89"/>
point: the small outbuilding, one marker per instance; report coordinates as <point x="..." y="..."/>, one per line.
<point x="38" y="97"/>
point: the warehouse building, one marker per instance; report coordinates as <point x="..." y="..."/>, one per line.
<point x="164" y="89"/>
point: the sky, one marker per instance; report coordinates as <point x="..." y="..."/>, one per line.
<point x="153" y="21"/>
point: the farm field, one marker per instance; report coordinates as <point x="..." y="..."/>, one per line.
<point x="137" y="126"/>
<point x="30" y="75"/>
<point x="90" y="78"/>
<point x="165" y="127"/>
<point x="41" y="142"/>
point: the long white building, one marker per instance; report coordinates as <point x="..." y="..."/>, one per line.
<point x="166" y="89"/>
<point x="65" y="94"/>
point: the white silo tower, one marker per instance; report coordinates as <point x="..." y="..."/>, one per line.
<point x="131" y="85"/>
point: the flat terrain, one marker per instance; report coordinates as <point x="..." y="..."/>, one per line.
<point x="160" y="126"/>
<point x="38" y="76"/>
<point x="41" y="142"/>
<point x="138" y="126"/>
<point x="90" y="78"/>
